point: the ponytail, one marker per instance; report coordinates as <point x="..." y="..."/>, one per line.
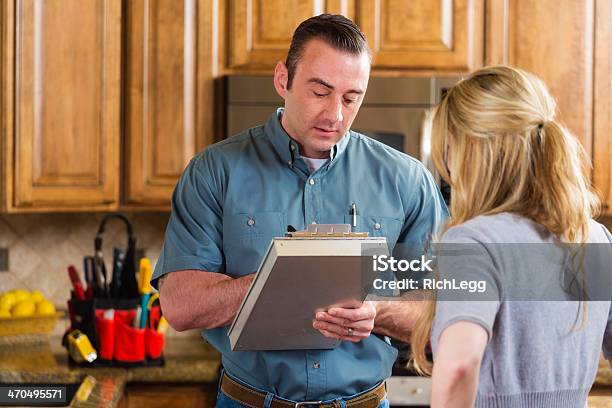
<point x="560" y="186"/>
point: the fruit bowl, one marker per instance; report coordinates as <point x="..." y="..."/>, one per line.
<point x="12" y="326"/>
<point x="23" y="312"/>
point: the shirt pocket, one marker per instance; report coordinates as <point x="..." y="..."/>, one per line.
<point x="246" y="238"/>
<point x="377" y="226"/>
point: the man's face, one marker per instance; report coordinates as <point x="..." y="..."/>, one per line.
<point x="326" y="92"/>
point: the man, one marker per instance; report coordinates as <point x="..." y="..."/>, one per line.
<point x="303" y="166"/>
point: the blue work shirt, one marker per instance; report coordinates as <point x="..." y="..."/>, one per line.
<point x="238" y="194"/>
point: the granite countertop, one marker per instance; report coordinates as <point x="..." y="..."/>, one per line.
<point x="44" y="360"/>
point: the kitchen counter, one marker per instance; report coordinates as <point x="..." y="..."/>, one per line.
<point x="188" y="360"/>
<point x="604" y="374"/>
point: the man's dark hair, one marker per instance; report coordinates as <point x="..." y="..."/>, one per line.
<point x="336" y="30"/>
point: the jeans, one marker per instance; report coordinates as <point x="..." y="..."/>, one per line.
<point x="224" y="401"/>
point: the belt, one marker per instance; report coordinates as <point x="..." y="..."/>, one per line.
<point x="255" y="399"/>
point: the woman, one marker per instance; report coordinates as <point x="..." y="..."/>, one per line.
<point x="517" y="176"/>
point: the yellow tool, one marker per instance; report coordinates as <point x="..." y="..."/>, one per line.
<point x="162" y="326"/>
<point x="144" y="276"/>
<point x="80" y="347"/>
<point x="85" y="389"/>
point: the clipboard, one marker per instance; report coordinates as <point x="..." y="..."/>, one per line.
<point x="299" y="276"/>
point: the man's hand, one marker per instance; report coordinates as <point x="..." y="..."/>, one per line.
<point x="346" y="324"/>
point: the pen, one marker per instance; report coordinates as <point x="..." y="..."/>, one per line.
<point x="353" y="213"/>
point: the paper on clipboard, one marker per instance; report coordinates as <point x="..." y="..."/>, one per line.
<point x="297" y="277"/>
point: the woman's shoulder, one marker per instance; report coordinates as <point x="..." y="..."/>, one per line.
<point x="513" y="228"/>
<point x="598" y="233"/>
<point x="498" y="228"/>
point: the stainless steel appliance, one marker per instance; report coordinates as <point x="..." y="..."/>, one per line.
<point x="393" y="112"/>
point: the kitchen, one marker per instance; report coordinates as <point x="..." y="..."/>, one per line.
<point x="133" y="90"/>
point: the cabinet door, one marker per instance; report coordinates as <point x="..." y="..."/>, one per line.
<point x="169" y="110"/>
<point x="424" y="34"/>
<point x="169" y="396"/>
<point x="260" y="30"/>
<point x="66" y="104"/>
<point x="554" y="40"/>
<point x="568" y="45"/>
<point x="602" y="105"/>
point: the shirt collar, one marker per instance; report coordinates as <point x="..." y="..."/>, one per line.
<point x="286" y="147"/>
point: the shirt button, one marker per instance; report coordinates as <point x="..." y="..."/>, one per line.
<point x="251" y="222"/>
<point x="316" y="365"/>
<point x="289" y="162"/>
<point x="292" y="147"/>
<point x="311" y="182"/>
<point x="377" y="226"/>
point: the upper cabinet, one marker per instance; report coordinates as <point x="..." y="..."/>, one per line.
<point x="602" y="104"/>
<point x="554" y="42"/>
<point x="62" y="103"/>
<point x="104" y="102"/>
<point x="424" y="34"/>
<point x="568" y="45"/>
<point x="260" y="30"/>
<point x="164" y="124"/>
<point x="406" y="34"/>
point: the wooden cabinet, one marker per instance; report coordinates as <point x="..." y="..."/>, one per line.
<point x="169" y="396"/>
<point x="404" y="34"/>
<point x="260" y="31"/>
<point x="62" y="102"/>
<point x="602" y="104"/>
<point x="424" y="34"/>
<point x="568" y="45"/>
<point x="104" y="102"/>
<point x="555" y="42"/>
<point x="168" y="108"/>
<point x="600" y="398"/>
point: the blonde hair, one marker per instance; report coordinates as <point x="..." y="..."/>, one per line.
<point x="508" y="154"/>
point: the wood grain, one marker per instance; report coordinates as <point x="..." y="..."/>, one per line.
<point x="169" y="395"/>
<point x="260" y="31"/>
<point x="443" y="35"/>
<point x="160" y="93"/>
<point x="602" y="105"/>
<point x="7" y="18"/>
<point x="554" y="41"/>
<point x="67" y="90"/>
<point x="170" y="107"/>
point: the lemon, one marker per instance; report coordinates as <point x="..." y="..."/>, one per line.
<point x="21" y="295"/>
<point x="7" y="301"/>
<point x="25" y="308"/>
<point x="45" y="308"/>
<point x="36" y="296"/>
<point x="4" y="314"/>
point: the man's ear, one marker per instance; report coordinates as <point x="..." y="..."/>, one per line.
<point x="281" y="75"/>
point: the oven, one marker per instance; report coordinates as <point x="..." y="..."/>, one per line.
<point x="393" y="113"/>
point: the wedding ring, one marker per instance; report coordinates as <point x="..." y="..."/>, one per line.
<point x="349" y="332"/>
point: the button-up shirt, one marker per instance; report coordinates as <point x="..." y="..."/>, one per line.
<point x="238" y="194"/>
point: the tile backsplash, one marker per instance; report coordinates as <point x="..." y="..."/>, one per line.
<point x="41" y="246"/>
